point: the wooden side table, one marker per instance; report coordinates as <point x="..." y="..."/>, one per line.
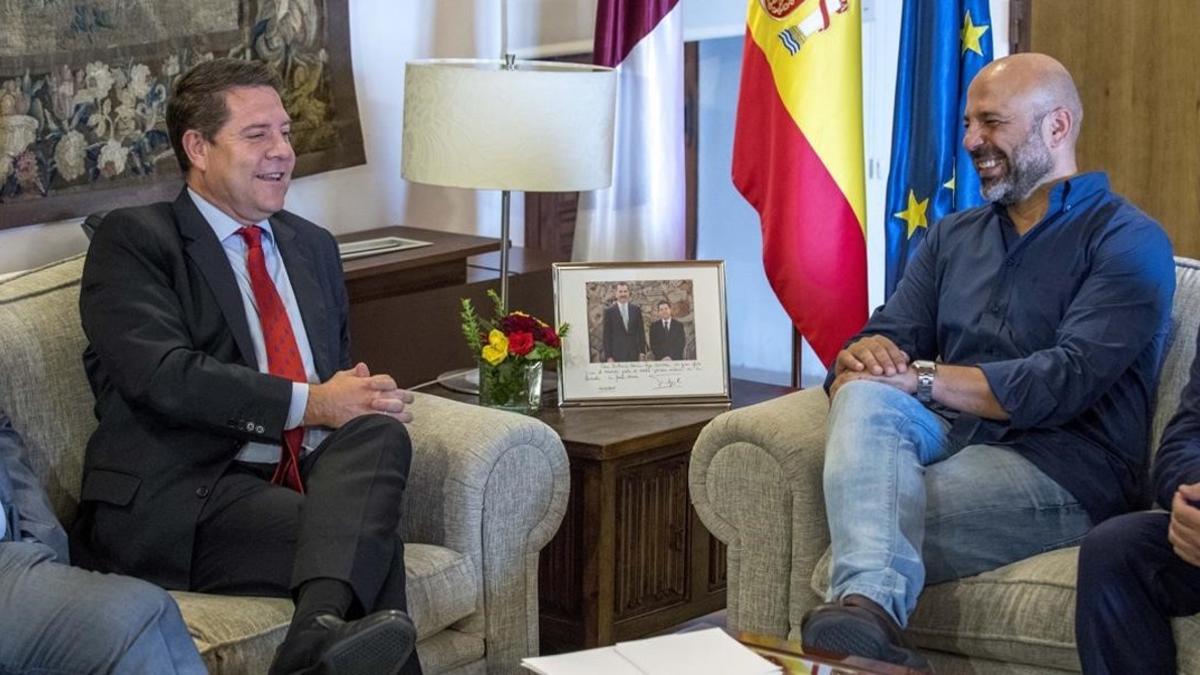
<point x="631" y="557"/>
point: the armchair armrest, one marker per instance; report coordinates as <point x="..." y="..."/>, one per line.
<point x="755" y="480"/>
<point x="492" y="485"/>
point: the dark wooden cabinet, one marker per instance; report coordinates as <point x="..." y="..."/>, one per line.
<point x="631" y="557"/>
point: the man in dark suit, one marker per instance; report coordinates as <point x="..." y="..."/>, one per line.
<point x="666" y="335"/>
<point x="624" y="332"/>
<point x="238" y="449"/>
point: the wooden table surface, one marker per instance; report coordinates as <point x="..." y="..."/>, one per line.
<point x="590" y="429"/>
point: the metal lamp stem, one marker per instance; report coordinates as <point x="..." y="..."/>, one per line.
<point x="504" y="245"/>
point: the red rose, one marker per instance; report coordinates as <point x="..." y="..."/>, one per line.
<point x="520" y="343"/>
<point x="518" y="323"/>
<point x="549" y="337"/>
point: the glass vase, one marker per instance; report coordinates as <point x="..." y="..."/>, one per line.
<point x="514" y="384"/>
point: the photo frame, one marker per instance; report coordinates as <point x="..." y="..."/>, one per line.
<point x="645" y="332"/>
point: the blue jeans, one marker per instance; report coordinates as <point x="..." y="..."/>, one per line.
<point x="905" y="508"/>
<point x="60" y="619"/>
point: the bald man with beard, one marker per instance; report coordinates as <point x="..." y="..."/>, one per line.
<point x="997" y="405"/>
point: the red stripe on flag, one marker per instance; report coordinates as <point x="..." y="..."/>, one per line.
<point x="813" y="247"/>
<point x="621" y="24"/>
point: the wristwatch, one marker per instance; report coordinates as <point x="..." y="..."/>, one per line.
<point x="926" y="373"/>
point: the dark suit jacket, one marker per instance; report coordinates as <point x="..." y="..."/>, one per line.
<point x="177" y="388"/>
<point x="623" y="344"/>
<point x="664" y="342"/>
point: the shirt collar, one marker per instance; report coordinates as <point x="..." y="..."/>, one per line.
<point x="1069" y="192"/>
<point x="221" y="223"/>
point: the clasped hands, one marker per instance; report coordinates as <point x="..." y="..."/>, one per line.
<point x="354" y="392"/>
<point x="1184" y="532"/>
<point x="874" y="358"/>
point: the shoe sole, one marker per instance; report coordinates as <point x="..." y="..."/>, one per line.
<point x="839" y="636"/>
<point x="377" y="650"/>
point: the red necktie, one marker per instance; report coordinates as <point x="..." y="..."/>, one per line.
<point x="283" y="356"/>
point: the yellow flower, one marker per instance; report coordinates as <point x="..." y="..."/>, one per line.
<point x="497" y="348"/>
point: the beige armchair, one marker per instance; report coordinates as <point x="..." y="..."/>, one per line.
<point x="755" y="479"/>
<point x="487" y="491"/>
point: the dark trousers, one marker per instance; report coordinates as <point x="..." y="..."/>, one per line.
<point x="255" y="538"/>
<point x="1130" y="585"/>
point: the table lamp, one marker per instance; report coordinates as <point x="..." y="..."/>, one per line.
<point x="508" y="125"/>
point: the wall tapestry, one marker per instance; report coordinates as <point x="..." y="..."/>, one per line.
<point x="84" y="83"/>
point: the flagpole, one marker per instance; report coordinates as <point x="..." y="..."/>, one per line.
<point x="797" y="357"/>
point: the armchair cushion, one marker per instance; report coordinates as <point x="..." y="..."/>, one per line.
<point x="238" y="634"/>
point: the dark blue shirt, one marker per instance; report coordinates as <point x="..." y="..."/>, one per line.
<point x="1068" y="324"/>
<point x="1178" y="459"/>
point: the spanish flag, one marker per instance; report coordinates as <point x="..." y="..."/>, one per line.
<point x="798" y="160"/>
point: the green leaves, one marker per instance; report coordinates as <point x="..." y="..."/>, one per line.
<point x="470" y="327"/>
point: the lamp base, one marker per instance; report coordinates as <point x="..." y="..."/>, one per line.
<point x="466" y="381"/>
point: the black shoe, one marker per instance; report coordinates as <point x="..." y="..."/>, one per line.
<point x="378" y="644"/>
<point x="859" y="628"/>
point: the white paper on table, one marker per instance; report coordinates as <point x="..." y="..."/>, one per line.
<point x="601" y="661"/>
<point x="702" y="652"/>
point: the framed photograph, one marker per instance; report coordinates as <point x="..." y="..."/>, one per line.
<point x="650" y="332"/>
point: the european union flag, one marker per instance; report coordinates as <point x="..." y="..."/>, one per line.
<point x="943" y="43"/>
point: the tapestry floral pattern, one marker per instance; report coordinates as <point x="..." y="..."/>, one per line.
<point x="71" y="127"/>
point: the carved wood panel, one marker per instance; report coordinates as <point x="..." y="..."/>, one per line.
<point x="652" y="538"/>
<point x="717" y="564"/>
<point x="560" y="566"/>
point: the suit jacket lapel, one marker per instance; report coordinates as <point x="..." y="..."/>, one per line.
<point x="307" y="289"/>
<point x="201" y="244"/>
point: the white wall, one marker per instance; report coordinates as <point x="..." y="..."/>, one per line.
<point x="385" y="34"/>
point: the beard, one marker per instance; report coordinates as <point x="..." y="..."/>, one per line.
<point x="1026" y="167"/>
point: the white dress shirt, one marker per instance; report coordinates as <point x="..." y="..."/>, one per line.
<point x="235" y="247"/>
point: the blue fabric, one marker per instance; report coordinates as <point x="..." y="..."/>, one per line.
<point x="57" y="619"/>
<point x="1068" y="324"/>
<point x="907" y="507"/>
<point x="932" y="76"/>
<point x="1130" y="583"/>
<point x="235" y="250"/>
<point x="27" y="512"/>
<point x="1178" y="459"/>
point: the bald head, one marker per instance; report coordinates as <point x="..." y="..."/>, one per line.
<point x="1037" y="80"/>
<point x="1022" y="121"/>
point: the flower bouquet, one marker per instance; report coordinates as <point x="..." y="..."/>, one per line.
<point x="511" y="349"/>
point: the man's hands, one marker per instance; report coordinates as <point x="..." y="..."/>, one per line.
<point x="874" y="358"/>
<point x="874" y="355"/>
<point x="351" y="393"/>
<point x="1184" y="533"/>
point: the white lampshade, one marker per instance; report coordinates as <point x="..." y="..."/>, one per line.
<point x="543" y="127"/>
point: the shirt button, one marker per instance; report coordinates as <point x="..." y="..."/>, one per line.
<point x="249" y="426"/>
<point x="202" y="491"/>
<point x="259" y="429"/>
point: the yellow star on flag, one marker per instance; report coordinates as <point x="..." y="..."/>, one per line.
<point x="970" y="35"/>
<point x="950" y="183"/>
<point x="914" y="215"/>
